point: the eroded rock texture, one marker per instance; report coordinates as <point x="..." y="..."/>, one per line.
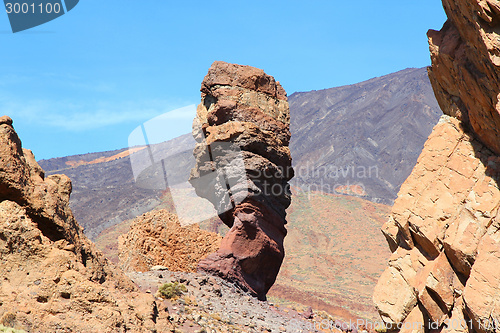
<point x="243" y="166"/>
<point x="444" y="230"/>
<point x="157" y="238"/>
<point x="52" y="277"/>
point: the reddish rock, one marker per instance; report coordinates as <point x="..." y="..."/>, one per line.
<point x="308" y="314"/>
<point x="243" y="168"/>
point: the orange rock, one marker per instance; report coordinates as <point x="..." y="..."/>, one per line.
<point x="442" y="222"/>
<point x="395" y="295"/>
<point x="482" y="292"/>
<point x="437" y="289"/>
<point x="157" y="238"/>
<point x="414" y="323"/>
<point x="53" y="278"/>
<point x="457" y="322"/>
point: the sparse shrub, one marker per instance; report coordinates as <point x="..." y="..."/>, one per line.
<point x="171" y="290"/>
<point x="4" y="329"/>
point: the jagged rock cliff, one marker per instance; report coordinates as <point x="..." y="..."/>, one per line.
<point x="465" y="66"/>
<point x="242" y="167"/>
<point x="444" y="230"/>
<point x="52" y="277"/>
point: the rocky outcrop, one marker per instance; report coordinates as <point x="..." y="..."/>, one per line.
<point x="157" y="239"/>
<point x="52" y="277"/>
<point x="443" y="232"/>
<point x="465" y="66"/>
<point x="444" y="229"/>
<point x="243" y="166"/>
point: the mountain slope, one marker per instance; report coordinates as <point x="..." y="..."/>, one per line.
<point x="334" y="254"/>
<point x="105" y="192"/>
<point x="368" y="134"/>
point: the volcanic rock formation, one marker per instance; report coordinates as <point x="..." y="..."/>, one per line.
<point x="157" y="239"/>
<point x="444" y="231"/>
<point x="52" y="277"/>
<point x="243" y="166"/>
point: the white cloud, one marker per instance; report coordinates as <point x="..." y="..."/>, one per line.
<point x="72" y="116"/>
<point x="87" y="104"/>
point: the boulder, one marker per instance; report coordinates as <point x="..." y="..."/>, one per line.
<point x="156" y="240"/>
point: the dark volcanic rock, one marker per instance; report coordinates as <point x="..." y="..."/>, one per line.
<point x="243" y="168"/>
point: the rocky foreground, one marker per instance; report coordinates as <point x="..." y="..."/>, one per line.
<point x="211" y="304"/>
<point x="53" y="279"/>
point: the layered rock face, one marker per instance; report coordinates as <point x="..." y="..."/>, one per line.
<point x="243" y="166"/>
<point x="157" y="239"/>
<point x="52" y="277"/>
<point x="444" y="230"/>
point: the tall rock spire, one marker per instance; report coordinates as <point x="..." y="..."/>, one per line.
<point x="243" y="166"/>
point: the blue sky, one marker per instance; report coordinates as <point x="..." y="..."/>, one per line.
<point x="83" y="82"/>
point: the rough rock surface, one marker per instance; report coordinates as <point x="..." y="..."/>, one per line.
<point x="52" y="277"/>
<point x="244" y="117"/>
<point x="443" y="232"/>
<point x="211" y="304"/>
<point x="465" y="66"/>
<point x="444" y="229"/>
<point x="157" y="239"/>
